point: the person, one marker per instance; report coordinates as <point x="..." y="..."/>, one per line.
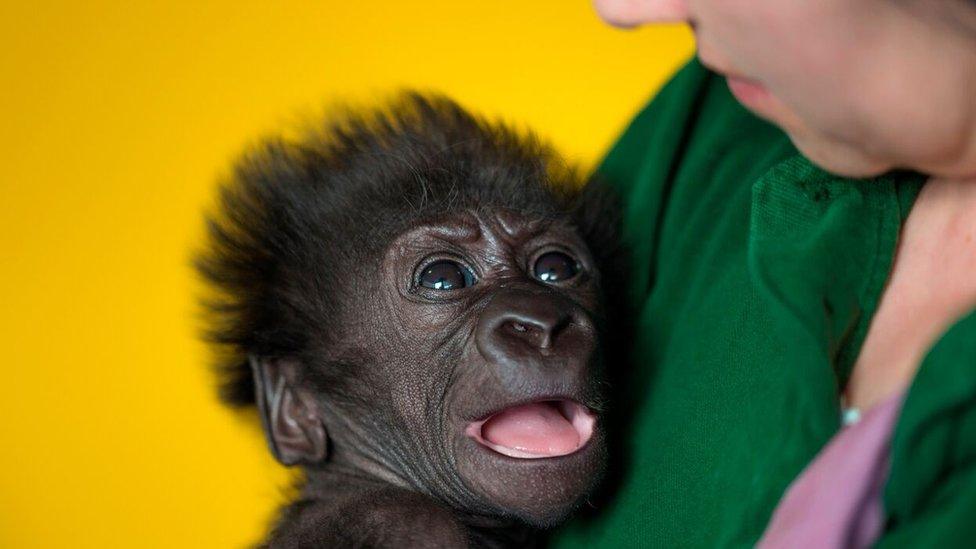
<point x="800" y="210"/>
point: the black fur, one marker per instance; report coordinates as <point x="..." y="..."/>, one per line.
<point x="295" y="212"/>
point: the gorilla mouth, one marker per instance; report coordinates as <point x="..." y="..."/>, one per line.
<point x="542" y="429"/>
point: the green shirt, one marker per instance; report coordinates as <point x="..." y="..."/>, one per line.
<point x="756" y="275"/>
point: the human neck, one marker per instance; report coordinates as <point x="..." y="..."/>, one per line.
<point x="944" y="234"/>
<point x="930" y="287"/>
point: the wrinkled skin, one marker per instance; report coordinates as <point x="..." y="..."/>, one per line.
<point x="441" y="359"/>
<point x="382" y="401"/>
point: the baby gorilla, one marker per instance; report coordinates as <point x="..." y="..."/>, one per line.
<point x="412" y="300"/>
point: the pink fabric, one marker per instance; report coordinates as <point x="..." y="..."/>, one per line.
<point x="837" y="500"/>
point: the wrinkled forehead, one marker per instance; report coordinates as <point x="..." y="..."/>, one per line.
<point x="500" y="226"/>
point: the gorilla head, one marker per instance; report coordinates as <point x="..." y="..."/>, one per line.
<point x="414" y="299"/>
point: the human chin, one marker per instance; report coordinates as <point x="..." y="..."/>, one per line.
<point x="835" y="155"/>
<point x="624" y="14"/>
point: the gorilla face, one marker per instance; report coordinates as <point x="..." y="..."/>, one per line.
<point x="491" y="318"/>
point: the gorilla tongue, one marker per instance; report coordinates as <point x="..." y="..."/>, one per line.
<point x="539" y="429"/>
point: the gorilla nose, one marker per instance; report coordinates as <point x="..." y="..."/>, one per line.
<point x="520" y="325"/>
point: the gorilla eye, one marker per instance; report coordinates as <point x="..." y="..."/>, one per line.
<point x="446" y="275"/>
<point x="555" y="267"/>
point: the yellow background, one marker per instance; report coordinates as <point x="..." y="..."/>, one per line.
<point x="117" y="119"/>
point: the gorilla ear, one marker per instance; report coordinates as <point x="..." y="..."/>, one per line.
<point x="290" y="416"/>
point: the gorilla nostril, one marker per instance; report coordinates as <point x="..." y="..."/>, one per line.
<point x="540" y="336"/>
<point x="524" y="330"/>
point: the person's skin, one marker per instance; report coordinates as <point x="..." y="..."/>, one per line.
<point x="862" y="88"/>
